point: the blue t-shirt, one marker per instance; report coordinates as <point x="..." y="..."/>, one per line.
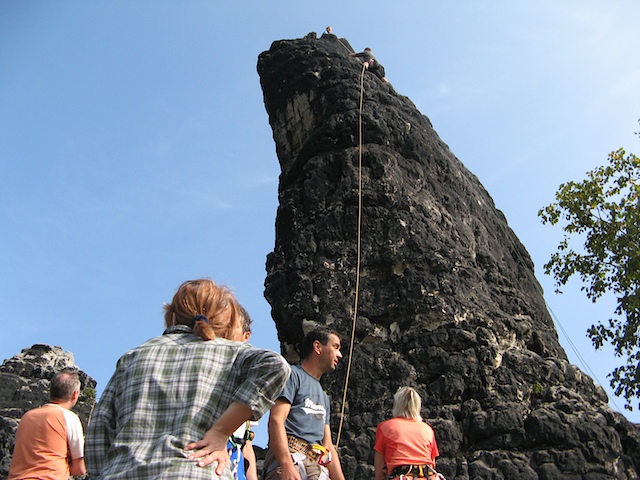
<point x="309" y="406"/>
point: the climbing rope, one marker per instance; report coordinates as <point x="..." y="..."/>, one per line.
<point x="355" y="306"/>
<point x="346" y="48"/>
<point x="357" y="286"/>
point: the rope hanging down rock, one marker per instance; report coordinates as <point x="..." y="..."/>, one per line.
<point x="355" y="306"/>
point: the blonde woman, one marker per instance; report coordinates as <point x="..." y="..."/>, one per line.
<point x="405" y="445"/>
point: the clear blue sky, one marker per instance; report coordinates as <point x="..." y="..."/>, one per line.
<point x="135" y="151"/>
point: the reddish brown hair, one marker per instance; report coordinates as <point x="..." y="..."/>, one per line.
<point x="204" y="297"/>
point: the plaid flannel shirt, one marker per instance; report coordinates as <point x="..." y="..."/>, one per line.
<point x="166" y="394"/>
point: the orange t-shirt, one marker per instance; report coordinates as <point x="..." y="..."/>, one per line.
<point x="46" y="438"/>
<point x="403" y="441"/>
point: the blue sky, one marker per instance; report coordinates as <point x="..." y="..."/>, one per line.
<point x="135" y="151"/>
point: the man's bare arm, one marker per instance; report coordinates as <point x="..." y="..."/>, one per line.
<point x="252" y="472"/>
<point x="278" y="439"/>
<point x="77" y="467"/>
<point x="335" y="468"/>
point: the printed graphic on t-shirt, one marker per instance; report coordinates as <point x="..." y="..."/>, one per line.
<point x="314" y="409"/>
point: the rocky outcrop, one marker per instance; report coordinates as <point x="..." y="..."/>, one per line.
<point x="447" y="301"/>
<point x="24" y="385"/>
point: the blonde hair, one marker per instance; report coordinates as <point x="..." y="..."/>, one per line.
<point x="215" y="307"/>
<point x="407" y="403"/>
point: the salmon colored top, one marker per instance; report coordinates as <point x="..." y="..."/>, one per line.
<point x="403" y="441"/>
<point x="46" y="439"/>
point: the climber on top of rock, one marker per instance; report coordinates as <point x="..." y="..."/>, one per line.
<point x="370" y="62"/>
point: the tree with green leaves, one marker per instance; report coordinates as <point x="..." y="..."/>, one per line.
<point x="603" y="211"/>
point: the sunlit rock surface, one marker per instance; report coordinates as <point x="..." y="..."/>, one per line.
<point x="448" y="301"/>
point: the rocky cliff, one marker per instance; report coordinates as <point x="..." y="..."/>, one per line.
<point x="447" y="300"/>
<point x="24" y="384"/>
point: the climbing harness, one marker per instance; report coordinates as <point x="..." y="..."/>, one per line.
<point x="314" y="451"/>
<point x="240" y="441"/>
<point x="406" y="472"/>
<point x="358" y="248"/>
<point x="301" y="451"/>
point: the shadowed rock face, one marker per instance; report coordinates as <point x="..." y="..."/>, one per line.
<point x="447" y="302"/>
<point x="24" y="385"/>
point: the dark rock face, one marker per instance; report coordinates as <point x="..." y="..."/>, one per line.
<point x="447" y="301"/>
<point x="24" y="385"/>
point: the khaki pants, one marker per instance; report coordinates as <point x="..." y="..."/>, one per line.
<point x="309" y="469"/>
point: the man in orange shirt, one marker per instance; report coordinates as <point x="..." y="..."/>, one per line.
<point x="49" y="440"/>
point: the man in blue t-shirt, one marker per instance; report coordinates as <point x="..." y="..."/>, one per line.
<point x="300" y="444"/>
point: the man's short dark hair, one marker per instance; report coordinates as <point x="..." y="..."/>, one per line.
<point x="320" y="334"/>
<point x="63" y="384"/>
<point x="246" y="319"/>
